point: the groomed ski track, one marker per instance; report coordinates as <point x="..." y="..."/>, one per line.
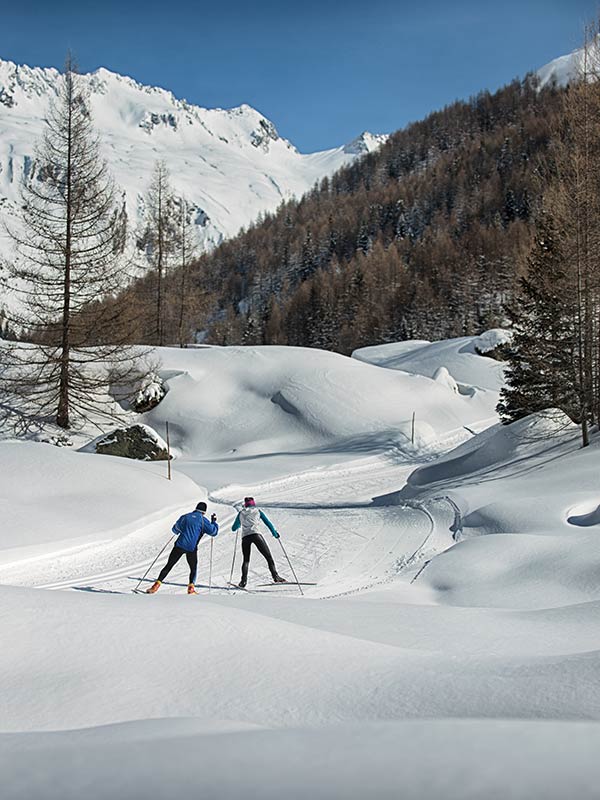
<point x="333" y="532"/>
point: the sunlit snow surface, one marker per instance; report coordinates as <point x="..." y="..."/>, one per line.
<point x="570" y="67"/>
<point x="449" y="649"/>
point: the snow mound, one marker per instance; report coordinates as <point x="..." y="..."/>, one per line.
<point x="515" y="571"/>
<point x="459" y="356"/>
<point x="489" y="450"/>
<point x="280" y="399"/>
<point x="53" y="497"/>
<point x="490" y="340"/>
<point x="526" y="497"/>
<point x="443" y="377"/>
<point x="515" y="760"/>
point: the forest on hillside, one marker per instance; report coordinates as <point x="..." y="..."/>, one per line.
<point x="482" y="215"/>
<point x="425" y="238"/>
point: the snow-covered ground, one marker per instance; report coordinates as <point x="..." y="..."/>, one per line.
<point x="450" y="646"/>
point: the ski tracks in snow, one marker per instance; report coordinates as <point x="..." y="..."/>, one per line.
<point x="333" y="534"/>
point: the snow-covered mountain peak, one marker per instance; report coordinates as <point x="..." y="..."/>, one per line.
<point x="230" y="164"/>
<point x="564" y="69"/>
<point x="365" y="143"/>
<point x="20" y="82"/>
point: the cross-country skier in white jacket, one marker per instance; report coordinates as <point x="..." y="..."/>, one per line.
<point x="249" y="518"/>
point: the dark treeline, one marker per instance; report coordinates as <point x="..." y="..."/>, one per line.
<point x="424" y="238"/>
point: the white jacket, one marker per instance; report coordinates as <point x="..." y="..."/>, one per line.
<point x="249" y="519"/>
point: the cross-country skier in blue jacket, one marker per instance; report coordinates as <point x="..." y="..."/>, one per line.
<point x="249" y="518"/>
<point x="190" y="528"/>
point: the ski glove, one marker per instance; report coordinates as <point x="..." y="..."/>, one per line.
<point x="213" y="518"/>
<point x="275" y="534"/>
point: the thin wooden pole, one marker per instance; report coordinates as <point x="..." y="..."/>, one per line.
<point x="168" y="452"/>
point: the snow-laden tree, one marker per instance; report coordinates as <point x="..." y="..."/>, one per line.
<point x="67" y="257"/>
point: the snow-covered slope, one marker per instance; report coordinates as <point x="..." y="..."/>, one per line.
<point x="43" y="486"/>
<point x="564" y="69"/>
<point x="415" y="666"/>
<point x="230" y="164"/>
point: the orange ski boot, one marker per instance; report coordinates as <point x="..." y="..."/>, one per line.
<point x="191" y="589"/>
<point x="154" y="588"/>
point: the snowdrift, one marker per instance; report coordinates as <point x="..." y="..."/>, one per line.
<point x="497" y="446"/>
<point x="279" y="399"/>
<point x="529" y="494"/>
<point x="427" y="759"/>
<point x="459" y="356"/>
<point x="53" y="498"/>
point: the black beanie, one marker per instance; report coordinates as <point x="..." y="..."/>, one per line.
<point x="201" y="507"/>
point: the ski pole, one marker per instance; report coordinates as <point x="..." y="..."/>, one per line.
<point x="142" y="579"/>
<point x="234" y="552"/>
<point x="210" y="568"/>
<point x="290" y="563"/>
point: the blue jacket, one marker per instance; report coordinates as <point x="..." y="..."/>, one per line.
<point x="190" y="528"/>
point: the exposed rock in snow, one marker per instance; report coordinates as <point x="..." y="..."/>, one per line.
<point x="493" y="343"/>
<point x="137" y="441"/>
<point x="365" y="143"/>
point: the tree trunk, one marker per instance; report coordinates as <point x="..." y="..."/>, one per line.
<point x="62" y="415"/>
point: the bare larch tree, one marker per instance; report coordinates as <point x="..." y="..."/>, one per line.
<point x="67" y="257"/>
<point x="159" y="240"/>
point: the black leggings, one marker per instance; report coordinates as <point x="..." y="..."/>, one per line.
<point x="263" y="548"/>
<point x="176" y="553"/>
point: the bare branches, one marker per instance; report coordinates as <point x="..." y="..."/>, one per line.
<point x="159" y="238"/>
<point x="67" y="259"/>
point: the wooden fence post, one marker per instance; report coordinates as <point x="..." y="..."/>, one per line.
<point x="168" y="452"/>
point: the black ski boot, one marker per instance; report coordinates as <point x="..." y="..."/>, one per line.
<point x="242" y="584"/>
<point x="278" y="579"/>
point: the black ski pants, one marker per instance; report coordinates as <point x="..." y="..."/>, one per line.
<point x="176" y="553"/>
<point x="258" y="541"/>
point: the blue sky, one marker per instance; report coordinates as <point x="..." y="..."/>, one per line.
<point x="321" y="71"/>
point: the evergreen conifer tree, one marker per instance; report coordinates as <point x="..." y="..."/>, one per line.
<point x="541" y="370"/>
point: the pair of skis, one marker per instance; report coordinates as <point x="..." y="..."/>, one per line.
<point x="264" y="585"/>
<point x="243" y="588"/>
